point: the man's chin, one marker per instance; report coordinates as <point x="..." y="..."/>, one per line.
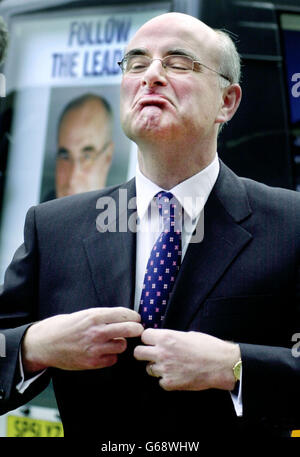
<point x="154" y="132"/>
<point x="62" y="194"/>
<point x="65" y="193"/>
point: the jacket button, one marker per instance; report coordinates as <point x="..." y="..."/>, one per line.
<point x="2" y="392"/>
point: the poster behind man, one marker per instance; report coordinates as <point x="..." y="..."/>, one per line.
<point x="85" y="145"/>
<point x="63" y="90"/>
<point x="53" y="60"/>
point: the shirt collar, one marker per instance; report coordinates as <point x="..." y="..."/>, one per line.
<point x="192" y="193"/>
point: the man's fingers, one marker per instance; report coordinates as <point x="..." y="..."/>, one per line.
<point x="120" y="314"/>
<point x="111" y="315"/>
<point x="115" y="346"/>
<point x="153" y="370"/>
<point x="107" y="360"/>
<point x="144" y="353"/>
<point x="151" y="336"/>
<point x="123" y="329"/>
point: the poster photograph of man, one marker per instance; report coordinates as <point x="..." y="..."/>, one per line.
<point x="85" y="146"/>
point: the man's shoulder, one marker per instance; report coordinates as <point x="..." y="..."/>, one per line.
<point x="76" y="212"/>
<point x="256" y="190"/>
<point x="242" y="197"/>
<point x="81" y="202"/>
<point x="270" y="195"/>
<point x="277" y="206"/>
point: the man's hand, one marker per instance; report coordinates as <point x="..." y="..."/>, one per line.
<point x="188" y="360"/>
<point x="83" y="340"/>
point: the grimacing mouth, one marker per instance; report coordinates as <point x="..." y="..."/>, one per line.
<point x="152" y="103"/>
<point x="152" y="100"/>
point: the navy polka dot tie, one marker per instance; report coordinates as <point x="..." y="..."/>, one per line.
<point x="163" y="263"/>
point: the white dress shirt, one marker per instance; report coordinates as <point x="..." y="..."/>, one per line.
<point x="192" y="195"/>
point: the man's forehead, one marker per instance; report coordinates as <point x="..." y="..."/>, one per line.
<point x="90" y="111"/>
<point x="81" y="125"/>
<point x="189" y="34"/>
<point x="164" y="51"/>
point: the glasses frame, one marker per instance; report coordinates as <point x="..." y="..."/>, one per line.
<point x="81" y="160"/>
<point x="125" y="58"/>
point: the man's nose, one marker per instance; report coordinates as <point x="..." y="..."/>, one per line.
<point x="155" y="75"/>
<point x="75" y="174"/>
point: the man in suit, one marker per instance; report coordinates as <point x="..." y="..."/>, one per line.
<point x="219" y="357"/>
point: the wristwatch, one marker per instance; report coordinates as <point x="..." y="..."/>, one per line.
<point x="237" y="370"/>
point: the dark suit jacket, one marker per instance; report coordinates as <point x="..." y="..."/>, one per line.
<point x="240" y="284"/>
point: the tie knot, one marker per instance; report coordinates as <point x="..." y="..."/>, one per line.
<point x="164" y="195"/>
<point x="169" y="210"/>
<point x="165" y="202"/>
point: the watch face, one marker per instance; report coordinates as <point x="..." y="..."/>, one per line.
<point x="237" y="370"/>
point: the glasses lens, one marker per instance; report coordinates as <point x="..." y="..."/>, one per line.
<point x="178" y="64"/>
<point x="87" y="158"/>
<point x="174" y="63"/>
<point x="136" y="64"/>
<point x="90" y="155"/>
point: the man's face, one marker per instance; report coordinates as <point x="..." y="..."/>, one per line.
<point x="157" y="105"/>
<point x="84" y="150"/>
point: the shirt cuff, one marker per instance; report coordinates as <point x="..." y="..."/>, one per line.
<point x="236" y="397"/>
<point x="25" y="383"/>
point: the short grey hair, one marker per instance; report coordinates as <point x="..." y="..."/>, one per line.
<point x="3" y="39"/>
<point x="230" y="61"/>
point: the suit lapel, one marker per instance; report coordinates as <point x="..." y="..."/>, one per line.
<point x="111" y="254"/>
<point x="205" y="262"/>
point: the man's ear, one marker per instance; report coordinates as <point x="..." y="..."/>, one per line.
<point x="230" y="102"/>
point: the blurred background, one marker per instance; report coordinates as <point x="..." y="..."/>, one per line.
<point x="62" y="64"/>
